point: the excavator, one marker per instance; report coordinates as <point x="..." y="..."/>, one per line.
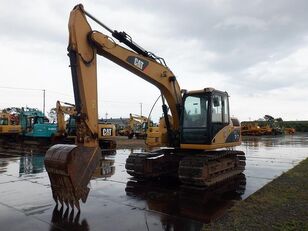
<point x="9" y="124"/>
<point x="64" y="128"/>
<point x="67" y="130"/>
<point x="200" y="134"/>
<point x="136" y="126"/>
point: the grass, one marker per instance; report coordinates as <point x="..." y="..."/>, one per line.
<point x="280" y="205"/>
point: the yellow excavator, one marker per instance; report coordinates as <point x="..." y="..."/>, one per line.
<point x="137" y="126"/>
<point x="67" y="130"/>
<point x="200" y="133"/>
<point x="64" y="128"/>
<point x="9" y="124"/>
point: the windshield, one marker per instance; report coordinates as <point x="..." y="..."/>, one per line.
<point x="195" y="111"/>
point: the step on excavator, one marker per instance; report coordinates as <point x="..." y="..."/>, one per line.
<point x="199" y="134"/>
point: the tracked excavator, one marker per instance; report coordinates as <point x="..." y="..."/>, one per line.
<point x="137" y="126"/>
<point x="199" y="133"/>
<point x="67" y="130"/>
<point x="63" y="109"/>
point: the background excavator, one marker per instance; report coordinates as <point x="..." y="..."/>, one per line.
<point x="199" y="132"/>
<point x="35" y="125"/>
<point x="9" y="124"/>
<point x="137" y="126"/>
<point x="67" y="129"/>
<point x="21" y="124"/>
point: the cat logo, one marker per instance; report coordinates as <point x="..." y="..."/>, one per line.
<point x="137" y="62"/>
<point x="106" y="131"/>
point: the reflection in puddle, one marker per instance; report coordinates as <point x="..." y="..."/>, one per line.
<point x="31" y="164"/>
<point x="105" y="168"/>
<point x="299" y="140"/>
<point x="3" y="165"/>
<point x="189" y="202"/>
<point x="37" y="209"/>
<point x="67" y="220"/>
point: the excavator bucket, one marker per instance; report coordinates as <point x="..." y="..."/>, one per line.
<point x="70" y="168"/>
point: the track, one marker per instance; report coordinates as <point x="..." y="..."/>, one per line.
<point x="152" y="164"/>
<point x="211" y="168"/>
<point x="202" y="169"/>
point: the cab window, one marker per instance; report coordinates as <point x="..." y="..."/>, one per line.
<point x="220" y="109"/>
<point x="217" y="109"/>
<point x="195" y="112"/>
<point x="226" y="109"/>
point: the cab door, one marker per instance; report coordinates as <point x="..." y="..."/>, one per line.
<point x="194" y="121"/>
<point x="219" y="113"/>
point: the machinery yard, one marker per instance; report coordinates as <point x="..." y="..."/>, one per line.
<point x="117" y="202"/>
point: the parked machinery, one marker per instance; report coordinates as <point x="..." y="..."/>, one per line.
<point x="67" y="128"/>
<point x="289" y="131"/>
<point x="200" y="132"/>
<point x="106" y="136"/>
<point x="9" y="124"/>
<point x="137" y="126"/>
<point x="253" y="129"/>
<point x="26" y="124"/>
<point x="277" y="126"/>
<point x="35" y="124"/>
<point x="268" y="126"/>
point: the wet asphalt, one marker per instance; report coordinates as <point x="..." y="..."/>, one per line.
<point x="118" y="202"/>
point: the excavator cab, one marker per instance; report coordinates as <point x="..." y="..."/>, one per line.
<point x="205" y="114"/>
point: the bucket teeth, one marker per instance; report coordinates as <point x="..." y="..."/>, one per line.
<point x="76" y="202"/>
<point x="61" y="210"/>
<point x="71" y="217"/>
<point x="55" y="198"/>
<point x="66" y="202"/>
<point x="84" y="194"/>
<point x="76" y="220"/>
<point x="61" y="201"/>
<point x="71" y="202"/>
<point x="69" y="198"/>
<point x="65" y="215"/>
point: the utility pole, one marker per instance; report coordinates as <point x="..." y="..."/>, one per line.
<point x="140" y="109"/>
<point x="106" y="116"/>
<point x="44" y="95"/>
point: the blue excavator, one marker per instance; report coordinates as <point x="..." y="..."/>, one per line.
<point x="34" y="124"/>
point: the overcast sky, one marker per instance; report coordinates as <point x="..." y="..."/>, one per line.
<point x="257" y="51"/>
